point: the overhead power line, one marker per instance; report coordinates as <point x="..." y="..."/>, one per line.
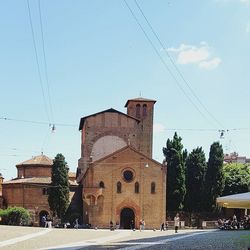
<point x="38" y="122"/>
<point x="45" y="60"/>
<point x="164" y="63"/>
<point x="37" y="61"/>
<point x="166" y="129"/>
<point x="175" y="66"/>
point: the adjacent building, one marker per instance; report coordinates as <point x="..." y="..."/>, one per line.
<point x="30" y="188"/>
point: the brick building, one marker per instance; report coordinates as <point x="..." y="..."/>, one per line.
<point x="1" y="195"/>
<point x="30" y="188"/>
<point x="121" y="182"/>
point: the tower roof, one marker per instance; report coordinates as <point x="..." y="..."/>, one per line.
<point x="38" y="160"/>
<point x="139" y="99"/>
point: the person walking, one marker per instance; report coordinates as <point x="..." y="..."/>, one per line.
<point x="111" y="225"/>
<point x="162" y="227"/>
<point x="176" y="222"/>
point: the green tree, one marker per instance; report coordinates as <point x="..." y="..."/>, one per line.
<point x="237" y="178"/>
<point x="195" y="176"/>
<point x="59" y="191"/>
<point x="18" y="216"/>
<point x="214" y="179"/>
<point x="174" y="156"/>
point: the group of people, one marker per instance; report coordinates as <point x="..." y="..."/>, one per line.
<point x="164" y="225"/>
<point x="233" y="223"/>
<point x="46" y="221"/>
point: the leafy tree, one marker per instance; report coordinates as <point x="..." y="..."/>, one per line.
<point x="18" y="216"/>
<point x="214" y="179"/>
<point x="59" y="191"/>
<point x="174" y="157"/>
<point x="195" y="176"/>
<point x="237" y="178"/>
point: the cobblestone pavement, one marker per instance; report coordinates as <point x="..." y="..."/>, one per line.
<point x="12" y="237"/>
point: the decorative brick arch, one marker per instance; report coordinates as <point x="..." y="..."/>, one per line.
<point x="128" y="203"/>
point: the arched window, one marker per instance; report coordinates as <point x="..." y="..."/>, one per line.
<point x="144" y="110"/>
<point x="118" y="187"/>
<point x="101" y="184"/>
<point x="138" y="111"/>
<point x="137" y="188"/>
<point x="152" y="188"/>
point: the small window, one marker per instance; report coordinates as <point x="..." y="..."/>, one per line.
<point x="101" y="184"/>
<point x="137" y="188"/>
<point x="152" y="188"/>
<point x="138" y="111"/>
<point x="118" y="187"/>
<point x="45" y="191"/>
<point x="144" y="110"/>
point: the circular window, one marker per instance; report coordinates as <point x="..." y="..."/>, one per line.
<point x="128" y="175"/>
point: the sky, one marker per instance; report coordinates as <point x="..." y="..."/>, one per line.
<point x="65" y="59"/>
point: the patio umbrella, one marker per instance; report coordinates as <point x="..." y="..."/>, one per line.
<point x="235" y="201"/>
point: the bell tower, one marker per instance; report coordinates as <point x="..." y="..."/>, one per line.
<point x="143" y="110"/>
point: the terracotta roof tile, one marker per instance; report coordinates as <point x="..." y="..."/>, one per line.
<point x="35" y="180"/>
<point x="38" y="160"/>
<point x="140" y="99"/>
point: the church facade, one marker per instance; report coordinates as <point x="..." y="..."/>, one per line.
<point x="120" y="180"/>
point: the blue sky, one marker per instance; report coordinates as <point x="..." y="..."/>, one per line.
<point x="97" y="57"/>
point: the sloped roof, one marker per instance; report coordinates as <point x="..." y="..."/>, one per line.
<point x="38" y="160"/>
<point x="139" y="99"/>
<point x="111" y="110"/>
<point x="33" y="180"/>
<point x="113" y="154"/>
<point x="123" y="149"/>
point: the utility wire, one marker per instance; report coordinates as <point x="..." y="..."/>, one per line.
<point x="45" y="61"/>
<point x="163" y="61"/>
<point x="37" y="61"/>
<point x="37" y="122"/>
<point x="75" y="125"/>
<point x="175" y="66"/>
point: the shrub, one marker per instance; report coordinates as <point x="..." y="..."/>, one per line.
<point x="15" y="216"/>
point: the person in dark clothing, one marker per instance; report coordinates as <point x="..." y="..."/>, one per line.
<point x="111" y="225"/>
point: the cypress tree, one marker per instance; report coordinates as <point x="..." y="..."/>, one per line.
<point x="59" y="191"/>
<point x="175" y="173"/>
<point x="214" y="180"/>
<point x="195" y="176"/>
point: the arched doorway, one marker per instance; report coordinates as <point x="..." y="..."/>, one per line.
<point x="41" y="215"/>
<point x="127" y="218"/>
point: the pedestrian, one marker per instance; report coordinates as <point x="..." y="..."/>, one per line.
<point x="140" y="225"/>
<point x="163" y="227"/>
<point x="76" y="224"/>
<point x="111" y="225"/>
<point x="132" y="225"/>
<point x="143" y="224"/>
<point x="43" y="221"/>
<point x="166" y="225"/>
<point x="176" y="222"/>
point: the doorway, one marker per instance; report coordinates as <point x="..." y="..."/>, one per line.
<point x="127" y="218"/>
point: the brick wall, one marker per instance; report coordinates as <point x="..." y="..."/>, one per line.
<point x="107" y="205"/>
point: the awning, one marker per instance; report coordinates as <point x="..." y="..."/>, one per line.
<point x="235" y="201"/>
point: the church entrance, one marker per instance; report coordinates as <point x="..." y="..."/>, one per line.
<point x="127" y="219"/>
